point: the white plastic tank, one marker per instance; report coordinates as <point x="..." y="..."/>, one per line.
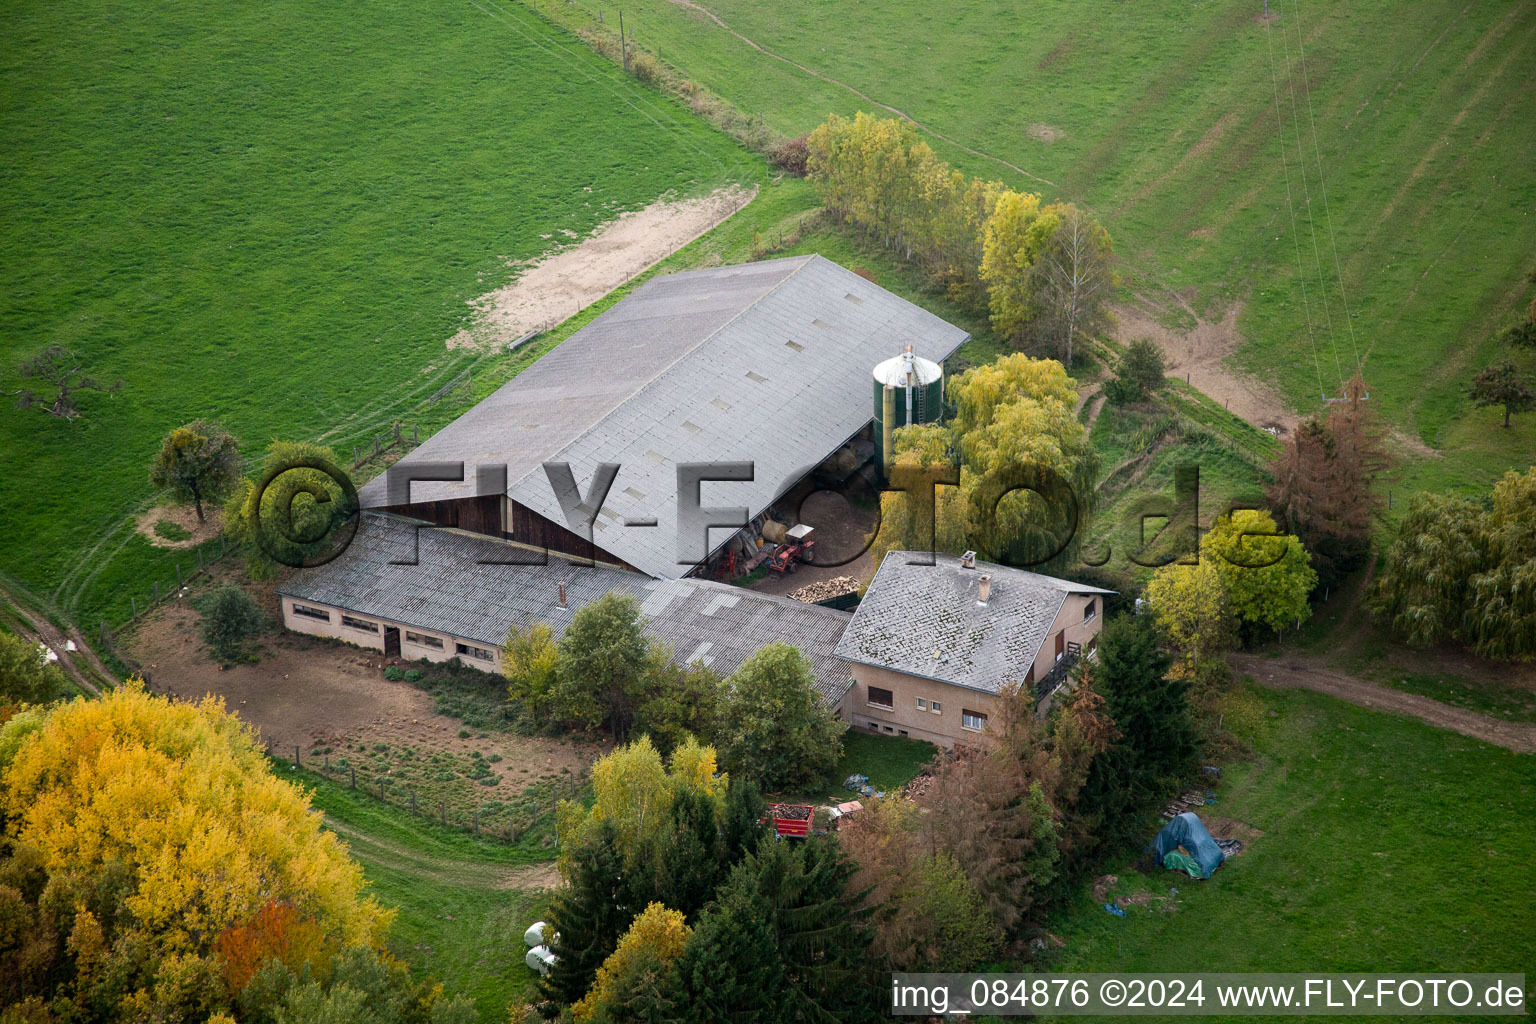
<point x="540" y="959"/>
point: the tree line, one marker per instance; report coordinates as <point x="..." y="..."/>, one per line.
<point x="1044" y="271"/>
<point x="681" y="906"/>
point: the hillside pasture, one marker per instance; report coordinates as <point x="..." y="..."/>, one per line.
<point x="275" y="216"/>
<point x="1354" y="180"/>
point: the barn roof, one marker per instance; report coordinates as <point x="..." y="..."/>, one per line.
<point x="455" y="588"/>
<point x="768" y="362"/>
<point x="924" y="620"/>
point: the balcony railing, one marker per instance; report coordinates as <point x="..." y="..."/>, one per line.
<point x="1059" y="672"/>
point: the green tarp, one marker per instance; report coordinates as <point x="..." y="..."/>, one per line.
<point x="1201" y="855"/>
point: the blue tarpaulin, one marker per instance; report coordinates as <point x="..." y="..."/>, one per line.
<point x="1189" y="832"/>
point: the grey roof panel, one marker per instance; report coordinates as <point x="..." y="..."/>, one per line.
<point x="738" y="394"/>
<point x="924" y="620"/>
<point x="451" y="589"/>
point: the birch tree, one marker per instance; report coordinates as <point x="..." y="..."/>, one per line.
<point x="1072" y="280"/>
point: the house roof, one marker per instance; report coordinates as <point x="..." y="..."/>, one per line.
<point x="924" y="620"/>
<point x="768" y="362"/>
<point x="453" y="589"/>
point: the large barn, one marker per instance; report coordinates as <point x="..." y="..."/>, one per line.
<point x="767" y="362"/>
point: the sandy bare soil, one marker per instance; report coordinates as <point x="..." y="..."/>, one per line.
<point x="557" y="286"/>
<point x="1199" y="353"/>
<point x="183" y="516"/>
<point x="1293" y="672"/>
<point x="306" y="692"/>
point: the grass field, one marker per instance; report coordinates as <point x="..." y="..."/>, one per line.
<point x="1387" y="845"/>
<point x="273" y="216"/>
<point x="1184" y="128"/>
<point x="462" y="912"/>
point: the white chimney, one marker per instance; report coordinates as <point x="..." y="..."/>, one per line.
<point x="562" y="595"/>
<point x="968" y="560"/>
<point x="983" y="588"/>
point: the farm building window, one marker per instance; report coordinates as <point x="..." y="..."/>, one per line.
<point x="879" y="698"/>
<point x="1091" y="610"/>
<point x="362" y="624"/>
<point x="936" y="707"/>
<point x="311" y="613"/>
<point x="922" y="705"/>
<point x="479" y="653"/>
<point x="424" y="640"/>
<point x="973" y="720"/>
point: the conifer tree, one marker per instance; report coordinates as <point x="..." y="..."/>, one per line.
<point x="588" y="915"/>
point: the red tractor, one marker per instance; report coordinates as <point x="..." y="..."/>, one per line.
<point x="799" y="546"/>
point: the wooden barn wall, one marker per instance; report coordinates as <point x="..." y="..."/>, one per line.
<point x="482" y="514"/>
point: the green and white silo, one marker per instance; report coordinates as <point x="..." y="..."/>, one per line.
<point x="908" y="390"/>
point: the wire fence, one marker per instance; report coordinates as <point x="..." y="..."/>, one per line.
<point x="499" y="821"/>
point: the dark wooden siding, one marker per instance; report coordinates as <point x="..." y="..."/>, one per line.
<point x="483" y="515"/>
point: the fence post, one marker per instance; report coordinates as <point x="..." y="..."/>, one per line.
<point x="178" y="575"/>
<point x="199" y="559"/>
<point x="477" y="821"/>
<point x="415" y="434"/>
<point x="397" y="431"/>
<point x="381" y="788"/>
<point x="103" y="640"/>
<point x="223" y="545"/>
<point x="442" y="811"/>
<point x="157" y="591"/>
<point x="355" y="459"/>
<point x="133" y="609"/>
<point x="327" y="764"/>
<point x="354" y="775"/>
<point x="413" y="800"/>
<point x="296" y="762"/>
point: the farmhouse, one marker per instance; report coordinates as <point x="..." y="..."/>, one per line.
<point x="768" y="363"/>
<point x="935" y="640"/>
<point x="444" y="593"/>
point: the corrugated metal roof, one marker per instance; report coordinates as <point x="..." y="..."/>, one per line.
<point x="451" y="589"/>
<point x="924" y="620"/>
<point x="767" y="362"/>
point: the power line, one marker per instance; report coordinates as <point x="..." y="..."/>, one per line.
<point x="1333" y="242"/>
<point x="1301" y="273"/>
<point x="1306" y="192"/>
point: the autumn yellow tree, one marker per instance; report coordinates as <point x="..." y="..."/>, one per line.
<point x="633" y="791"/>
<point x="1190" y="603"/>
<point x="633" y="974"/>
<point x="1015" y="236"/>
<point x="1022" y="462"/>
<point x="178" y="797"/>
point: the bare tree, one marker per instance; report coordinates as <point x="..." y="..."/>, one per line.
<point x="63" y="375"/>
<point x="1073" y="280"/>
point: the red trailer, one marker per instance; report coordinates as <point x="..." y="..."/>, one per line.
<point x="790" y="820"/>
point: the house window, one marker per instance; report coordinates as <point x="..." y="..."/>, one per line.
<point x="479" y="653"/>
<point x="1061" y="645"/>
<point x="422" y="640"/>
<point x="922" y="705"/>
<point x="973" y="720"/>
<point x="311" y="613"/>
<point x="936" y="707"/>
<point x="362" y="624"/>
<point x="879" y="698"/>
<point x="1093" y="641"/>
<point x="1091" y="610"/>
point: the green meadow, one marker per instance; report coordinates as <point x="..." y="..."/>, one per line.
<point x="1383" y="845"/>
<point x="1400" y="134"/>
<point x="273" y="215"/>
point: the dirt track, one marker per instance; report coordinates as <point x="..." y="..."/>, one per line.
<point x="1293" y="673"/>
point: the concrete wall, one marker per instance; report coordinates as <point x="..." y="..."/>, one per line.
<point x="905" y="718"/>
<point x="409" y="650"/>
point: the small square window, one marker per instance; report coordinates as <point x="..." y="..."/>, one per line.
<point x="922" y="705"/>
<point x="936" y="707"/>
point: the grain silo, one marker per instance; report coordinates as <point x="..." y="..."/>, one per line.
<point x="908" y="389"/>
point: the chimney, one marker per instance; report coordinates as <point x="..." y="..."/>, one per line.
<point x="968" y="560"/>
<point x="562" y="595"/>
<point x="983" y="588"/>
